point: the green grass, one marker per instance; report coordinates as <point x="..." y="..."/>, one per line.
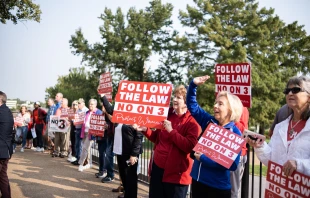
<point x="256" y="170"/>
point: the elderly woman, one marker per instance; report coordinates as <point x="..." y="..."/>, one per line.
<point x="170" y="175"/>
<point x="87" y="139"/>
<point x="290" y="143"/>
<point x="211" y="179"/>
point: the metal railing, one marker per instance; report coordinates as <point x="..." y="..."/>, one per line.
<point x="144" y="161"/>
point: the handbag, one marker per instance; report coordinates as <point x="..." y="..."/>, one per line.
<point x="33" y="132"/>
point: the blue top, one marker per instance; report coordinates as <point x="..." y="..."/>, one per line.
<point x="50" y="112"/>
<point x="206" y="170"/>
<point x="57" y="106"/>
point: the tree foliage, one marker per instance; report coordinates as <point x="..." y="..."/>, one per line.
<point x="16" y="10"/>
<point x="228" y="31"/>
<point x="128" y="40"/>
<point x="77" y="84"/>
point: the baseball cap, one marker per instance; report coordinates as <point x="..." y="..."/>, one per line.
<point x="37" y="103"/>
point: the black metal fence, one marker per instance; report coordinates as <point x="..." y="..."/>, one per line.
<point x="250" y="188"/>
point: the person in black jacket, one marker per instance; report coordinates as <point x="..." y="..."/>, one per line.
<point x="127" y="147"/>
<point x="6" y="147"/>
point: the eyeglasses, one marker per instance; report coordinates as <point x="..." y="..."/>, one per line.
<point x="75" y="104"/>
<point x="294" y="90"/>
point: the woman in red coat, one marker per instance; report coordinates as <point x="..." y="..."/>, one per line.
<point x="170" y="175"/>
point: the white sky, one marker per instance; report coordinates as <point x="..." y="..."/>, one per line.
<point x="33" y="55"/>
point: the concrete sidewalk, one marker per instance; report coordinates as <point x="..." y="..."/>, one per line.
<point x="38" y="175"/>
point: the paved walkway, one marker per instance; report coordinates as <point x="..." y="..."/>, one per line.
<point x="38" y="175"/>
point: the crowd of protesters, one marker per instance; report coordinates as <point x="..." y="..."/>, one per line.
<point x="173" y="165"/>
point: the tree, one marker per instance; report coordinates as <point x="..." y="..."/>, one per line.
<point x="127" y="41"/>
<point x="16" y="10"/>
<point x="77" y="84"/>
<point x="227" y="31"/>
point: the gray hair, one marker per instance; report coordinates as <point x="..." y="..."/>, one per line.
<point x="3" y="97"/>
<point x="304" y="83"/>
<point x="92" y="100"/>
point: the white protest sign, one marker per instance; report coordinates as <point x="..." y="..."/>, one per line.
<point x="58" y="124"/>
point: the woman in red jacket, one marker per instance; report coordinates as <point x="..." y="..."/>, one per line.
<point x="170" y="175"/>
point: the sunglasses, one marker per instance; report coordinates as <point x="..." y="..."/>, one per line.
<point x="294" y="90"/>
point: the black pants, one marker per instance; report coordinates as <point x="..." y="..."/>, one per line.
<point x="39" y="130"/>
<point x="129" y="176"/>
<point x="4" y="180"/>
<point x="72" y="140"/>
<point x="200" y="190"/>
<point x="158" y="188"/>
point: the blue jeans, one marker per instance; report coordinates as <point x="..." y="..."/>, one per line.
<point x="21" y="131"/>
<point x="106" y="156"/>
<point x="78" y="140"/>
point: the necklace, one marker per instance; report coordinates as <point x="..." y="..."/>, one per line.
<point x="292" y="127"/>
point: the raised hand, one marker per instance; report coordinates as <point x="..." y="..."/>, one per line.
<point x="201" y="79"/>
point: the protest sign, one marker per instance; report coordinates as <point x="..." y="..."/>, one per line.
<point x="19" y="121"/>
<point x="64" y="112"/>
<point x="108" y="96"/>
<point x="105" y="83"/>
<point x="142" y="103"/>
<point x="79" y="118"/>
<point x="96" y="127"/>
<point x="236" y="79"/>
<point x="71" y="114"/>
<point x="278" y="185"/>
<point x="220" y="145"/>
<point x="58" y="124"/>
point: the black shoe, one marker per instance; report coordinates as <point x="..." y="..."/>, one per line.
<point x="107" y="179"/>
<point x="61" y="156"/>
<point x="118" y="189"/>
<point x="75" y="163"/>
<point x="101" y="174"/>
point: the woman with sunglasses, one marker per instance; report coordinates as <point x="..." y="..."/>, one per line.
<point x="290" y="143"/>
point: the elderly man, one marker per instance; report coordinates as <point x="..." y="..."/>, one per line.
<point x="58" y="99"/>
<point x="78" y="139"/>
<point x="61" y="138"/>
<point x="48" y="134"/>
<point x="6" y="147"/>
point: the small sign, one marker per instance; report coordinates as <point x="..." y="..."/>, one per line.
<point x="279" y="185"/>
<point x="19" y="121"/>
<point x="142" y="103"/>
<point x="58" y="124"/>
<point x="220" y="145"/>
<point x="79" y="118"/>
<point x="97" y="123"/>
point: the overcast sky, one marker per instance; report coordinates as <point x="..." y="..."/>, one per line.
<point x="33" y="55"/>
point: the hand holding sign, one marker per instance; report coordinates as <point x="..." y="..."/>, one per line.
<point x="167" y="125"/>
<point x="289" y="167"/>
<point x="200" y="80"/>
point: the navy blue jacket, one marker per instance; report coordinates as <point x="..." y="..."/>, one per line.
<point x="6" y="128"/>
<point x="206" y="170"/>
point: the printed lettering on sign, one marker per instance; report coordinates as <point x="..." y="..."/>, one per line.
<point x="142" y="103"/>
<point x="79" y="118"/>
<point x="58" y="124"/>
<point x="220" y="145"/>
<point x="105" y="83"/>
<point x="236" y="79"/>
<point x="279" y="185"/>
<point x="97" y="123"/>
<point x="19" y="121"/>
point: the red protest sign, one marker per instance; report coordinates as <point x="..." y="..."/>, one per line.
<point x="105" y="83"/>
<point x="19" y="121"/>
<point x="79" y="118"/>
<point x="278" y="185"/>
<point x="143" y="103"/>
<point x="64" y="113"/>
<point x="96" y="127"/>
<point x="236" y="79"/>
<point x="220" y="145"/>
<point x="71" y="113"/>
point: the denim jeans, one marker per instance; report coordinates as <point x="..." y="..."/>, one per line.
<point x="78" y="140"/>
<point x="21" y="131"/>
<point x="106" y="156"/>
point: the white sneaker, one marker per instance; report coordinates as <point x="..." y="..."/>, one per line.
<point x="38" y="149"/>
<point x="73" y="159"/>
<point x="81" y="168"/>
<point x="22" y="150"/>
<point x="42" y="149"/>
<point x="69" y="158"/>
<point x="87" y="166"/>
<point x="13" y="150"/>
